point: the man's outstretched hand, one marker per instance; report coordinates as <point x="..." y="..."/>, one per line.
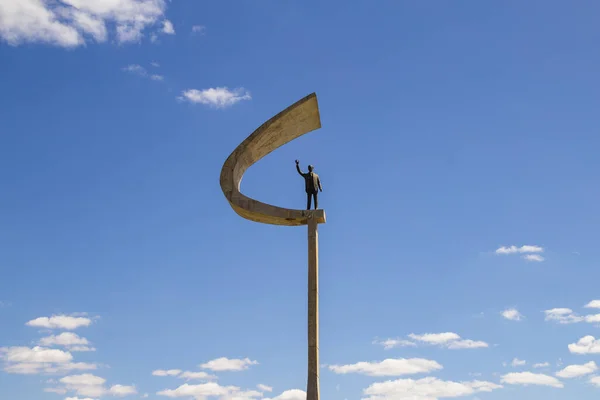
<point x="297" y="162"/>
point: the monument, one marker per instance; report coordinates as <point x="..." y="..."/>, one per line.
<point x="298" y="119"/>
<point x="312" y="185"/>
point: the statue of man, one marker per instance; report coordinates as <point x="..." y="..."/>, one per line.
<point x="312" y="184"/>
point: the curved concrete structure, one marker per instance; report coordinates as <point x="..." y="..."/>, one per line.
<point x="293" y="122"/>
<point x="296" y="120"/>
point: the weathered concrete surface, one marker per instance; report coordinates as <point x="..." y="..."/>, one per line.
<point x="296" y="120"/>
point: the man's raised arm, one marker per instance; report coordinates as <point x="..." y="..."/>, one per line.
<point x="298" y="168"/>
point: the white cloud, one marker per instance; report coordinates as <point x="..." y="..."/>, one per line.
<point x="593" y="304"/>
<point x="226" y="364"/>
<point x="60" y="321"/>
<point x="541" y="365"/>
<point x="512" y="314"/>
<point x="169" y="372"/>
<point x="563" y="316"/>
<point x="264" y="388"/>
<point x="574" y="371"/>
<point x="198" y="375"/>
<point x="200" y="29"/>
<point x="168" y="27"/>
<point x="435" y="338"/>
<point x="449" y="340"/>
<point x="388" y="367"/>
<point x="37" y="360"/>
<point x="529" y="378"/>
<point x="220" y="97"/>
<point x="36" y="355"/>
<point x="94" y="386"/>
<point x="122" y="390"/>
<point x="78" y="398"/>
<point x="425" y="389"/>
<point x="522" y="249"/>
<point x="517" y="363"/>
<point x="67" y="339"/>
<point x="533" y="257"/>
<point x="155" y="64"/>
<point x="209" y="389"/>
<point x="137" y="69"/>
<point x="392" y="343"/>
<point x="292" y="394"/>
<point x="585" y="345"/>
<point x="55" y="390"/>
<point x="71" y="23"/>
<point x="467" y="344"/>
<point x="595" y="380"/>
<point x="85" y="385"/>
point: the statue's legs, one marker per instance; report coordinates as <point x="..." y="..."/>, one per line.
<point x="309" y="197"/>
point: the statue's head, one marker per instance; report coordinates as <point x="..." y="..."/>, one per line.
<point x="310" y="168"/>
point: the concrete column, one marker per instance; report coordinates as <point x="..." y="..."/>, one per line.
<point x="312" y="387"/>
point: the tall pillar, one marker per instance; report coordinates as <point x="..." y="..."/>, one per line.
<point x="312" y="387"/>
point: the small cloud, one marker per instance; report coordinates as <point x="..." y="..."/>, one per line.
<point x="563" y="316"/>
<point x="585" y="345"/>
<point x="449" y="340"/>
<point x="264" y="388"/>
<point x="60" y="322"/>
<point x="138" y="70"/>
<point x="595" y="380"/>
<point x="428" y="388"/>
<point x="155" y="64"/>
<point x="593" y="304"/>
<point x="518" y="363"/>
<point x="529" y="378"/>
<point x="541" y="365"/>
<point x="226" y="364"/>
<point x="168" y="27"/>
<point x="122" y="390"/>
<point x="389" y="367"/>
<point x="292" y="394"/>
<point x="167" y="372"/>
<point x="512" y="314"/>
<point x="392" y="343"/>
<point x="522" y="249"/>
<point x="70" y="340"/>
<point x="55" y="390"/>
<point x="199" y="29"/>
<point x="533" y="257"/>
<point x="574" y="371"/>
<point x="135" y="69"/>
<point x="220" y="97"/>
<point x="199" y="375"/>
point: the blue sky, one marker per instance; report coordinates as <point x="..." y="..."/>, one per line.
<point x="458" y="156"/>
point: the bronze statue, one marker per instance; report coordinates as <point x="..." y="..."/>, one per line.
<point x="312" y="185"/>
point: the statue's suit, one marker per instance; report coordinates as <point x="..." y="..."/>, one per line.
<point x="312" y="185"/>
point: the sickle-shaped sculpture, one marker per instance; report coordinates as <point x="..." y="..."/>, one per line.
<point x="293" y="122"/>
<point x="296" y="120"/>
